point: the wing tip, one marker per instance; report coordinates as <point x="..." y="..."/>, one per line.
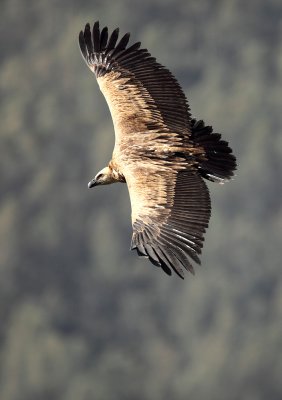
<point x="97" y="50"/>
<point x="163" y="257"/>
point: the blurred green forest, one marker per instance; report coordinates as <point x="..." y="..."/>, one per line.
<point x="81" y="316"/>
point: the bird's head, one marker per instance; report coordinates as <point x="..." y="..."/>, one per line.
<point x="104" y="177"/>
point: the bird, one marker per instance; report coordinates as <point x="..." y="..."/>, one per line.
<point x="161" y="152"/>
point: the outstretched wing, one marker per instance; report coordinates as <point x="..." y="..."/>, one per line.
<point x="144" y="97"/>
<point x="170" y="213"/>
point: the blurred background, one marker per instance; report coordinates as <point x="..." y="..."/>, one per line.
<point x="81" y="316"/>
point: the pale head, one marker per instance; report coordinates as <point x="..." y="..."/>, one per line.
<point x="104" y="177"/>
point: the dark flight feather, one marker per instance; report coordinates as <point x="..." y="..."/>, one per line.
<point x="104" y="39"/>
<point x="112" y="41"/>
<point x="96" y="37"/>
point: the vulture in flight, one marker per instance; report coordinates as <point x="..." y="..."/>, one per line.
<point x="161" y="153"/>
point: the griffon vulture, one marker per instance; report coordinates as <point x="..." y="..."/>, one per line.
<point x="160" y="151"/>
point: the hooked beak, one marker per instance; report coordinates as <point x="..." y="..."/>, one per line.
<point x="92" y="183"/>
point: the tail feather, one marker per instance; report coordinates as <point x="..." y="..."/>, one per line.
<point x="219" y="163"/>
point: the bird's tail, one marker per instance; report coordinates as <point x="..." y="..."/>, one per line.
<point x="219" y="163"/>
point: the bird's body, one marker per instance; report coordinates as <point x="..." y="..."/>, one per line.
<point x="160" y="152"/>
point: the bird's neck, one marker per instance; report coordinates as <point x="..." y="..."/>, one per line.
<point x="116" y="174"/>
